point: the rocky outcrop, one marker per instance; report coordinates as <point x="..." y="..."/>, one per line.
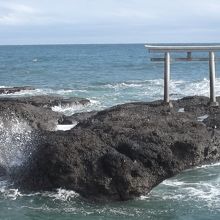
<point x="124" y="151"/>
<point x="47" y="101"/>
<point x="37" y="110"/>
<point x="77" y="117"/>
<point x="10" y="90"/>
<point x="38" y="118"/>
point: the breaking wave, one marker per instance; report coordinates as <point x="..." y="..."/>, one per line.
<point x="200" y="186"/>
<point x="71" y="109"/>
<point x="7" y="192"/>
<point x="43" y="91"/>
<point x="179" y="88"/>
<point x="108" y="94"/>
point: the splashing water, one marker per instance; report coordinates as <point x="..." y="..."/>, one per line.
<point x="106" y="95"/>
<point x="16" y="138"/>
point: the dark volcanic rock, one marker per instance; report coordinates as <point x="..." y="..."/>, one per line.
<point x="213" y="120"/>
<point x="77" y="117"/>
<point x="37" y="109"/>
<point x="47" y="101"/>
<point x="2" y="171"/>
<point x="15" y="89"/>
<point x="124" y="151"/>
<point x="37" y="117"/>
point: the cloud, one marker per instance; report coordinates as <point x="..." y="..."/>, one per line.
<point x="155" y="12"/>
<point x="134" y="20"/>
<point x="15" y="14"/>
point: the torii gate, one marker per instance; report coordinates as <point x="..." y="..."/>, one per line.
<point x="167" y="49"/>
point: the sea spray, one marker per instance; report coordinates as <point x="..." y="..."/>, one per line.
<point x="16" y="141"/>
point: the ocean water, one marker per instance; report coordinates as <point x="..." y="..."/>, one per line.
<point x="107" y="75"/>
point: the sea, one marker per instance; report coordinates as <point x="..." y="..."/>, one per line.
<point x="107" y="75"/>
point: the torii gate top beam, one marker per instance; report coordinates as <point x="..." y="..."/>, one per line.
<point x="182" y="48"/>
<point x="167" y="49"/>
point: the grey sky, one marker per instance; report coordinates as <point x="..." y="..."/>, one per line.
<point x="108" y="21"/>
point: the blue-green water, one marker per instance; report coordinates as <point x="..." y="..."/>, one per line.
<point x="107" y="75"/>
<point x="194" y="194"/>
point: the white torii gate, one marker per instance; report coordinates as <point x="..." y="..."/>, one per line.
<point x="167" y="49"/>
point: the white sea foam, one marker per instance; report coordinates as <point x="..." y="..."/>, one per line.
<point x="133" y="84"/>
<point x="209" y="165"/>
<point x="68" y="110"/>
<point x="62" y="194"/>
<point x="202" y="118"/>
<point x="65" y="127"/>
<point x="71" y="109"/>
<point x="200" y="185"/>
<point x="117" y="93"/>
<point x="122" y="85"/>
<point x="147" y="90"/>
<point x="203" y="191"/>
<point x="7" y="192"/>
<point x="181" y="110"/>
<point x="12" y="194"/>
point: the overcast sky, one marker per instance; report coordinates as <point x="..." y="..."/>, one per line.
<point x="108" y="21"/>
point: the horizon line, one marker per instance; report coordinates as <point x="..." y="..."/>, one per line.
<point x="129" y="43"/>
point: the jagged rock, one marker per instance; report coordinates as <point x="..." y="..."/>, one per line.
<point x="37" y="109"/>
<point x="38" y="118"/>
<point x="11" y="90"/>
<point x="77" y="117"/>
<point x="124" y="151"/>
<point x="47" y="101"/>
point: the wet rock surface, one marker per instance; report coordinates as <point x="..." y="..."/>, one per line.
<point x="38" y="118"/>
<point x="77" y="117"/>
<point x="48" y="101"/>
<point x="11" y="90"/>
<point x="124" y="151"/>
<point x="37" y="109"/>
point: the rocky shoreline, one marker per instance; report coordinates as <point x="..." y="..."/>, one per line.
<point x="115" y="154"/>
<point x="36" y="110"/>
<point x="12" y="90"/>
